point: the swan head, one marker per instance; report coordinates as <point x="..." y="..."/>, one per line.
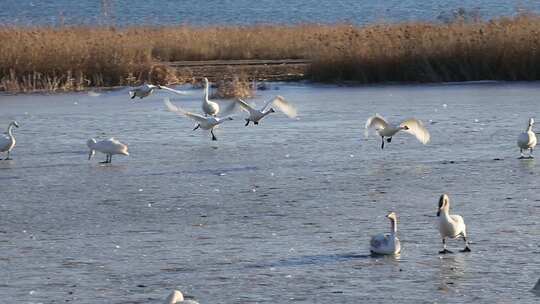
<point x="125" y="151"/>
<point x="443" y="203"/>
<point x="174" y="297"/>
<point x="271" y="110"/>
<point x="14" y="123"/>
<point x="392" y="215"/>
<point x="90" y="143"/>
<point x="205" y="81"/>
<point x="531" y="121"/>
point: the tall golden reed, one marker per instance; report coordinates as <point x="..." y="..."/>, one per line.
<point x="71" y="58"/>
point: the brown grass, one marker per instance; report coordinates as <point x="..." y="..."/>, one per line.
<point x="72" y="58"/>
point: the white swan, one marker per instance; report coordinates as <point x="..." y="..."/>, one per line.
<point x="385" y="129"/>
<point x="209" y="107"/>
<point x="177" y="297"/>
<point x="7" y="140"/>
<point x="109" y="147"/>
<point x="527" y="140"/>
<point x="143" y="91"/>
<point x="256" y="115"/>
<point x="203" y="122"/>
<point x="147" y="89"/>
<point x="387" y="243"/>
<point x="450" y="225"/>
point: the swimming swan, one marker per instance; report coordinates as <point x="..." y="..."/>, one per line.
<point x="177" y="297"/>
<point x="203" y="122"/>
<point x="147" y="89"/>
<point x="450" y="225"/>
<point x="256" y="115"/>
<point x="109" y="147"/>
<point x="387" y="243"/>
<point x="7" y="140"/>
<point x="384" y="129"/>
<point x="527" y="140"/>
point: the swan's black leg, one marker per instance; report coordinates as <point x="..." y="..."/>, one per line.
<point x="255" y="122"/>
<point x="531" y="153"/>
<point x="110" y="158"/>
<point x="213" y="136"/>
<point x="133" y="96"/>
<point x="382" y="145"/>
<point x="7" y="158"/>
<point x="466" y="249"/>
<point x="247" y="122"/>
<point x="444" y="251"/>
<point x="196" y="127"/>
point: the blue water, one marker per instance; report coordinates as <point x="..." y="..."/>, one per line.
<point x="204" y="12"/>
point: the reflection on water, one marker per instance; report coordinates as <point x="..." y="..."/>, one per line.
<point x="451" y="270"/>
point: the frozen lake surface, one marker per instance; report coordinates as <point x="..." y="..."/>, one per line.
<point x="277" y="213"/>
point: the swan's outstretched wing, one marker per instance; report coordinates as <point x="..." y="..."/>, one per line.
<point x="283" y="105"/>
<point x="377" y="122"/>
<point x="172" y="90"/>
<point x="171" y="107"/>
<point x="244" y="105"/>
<point x="416" y="128"/>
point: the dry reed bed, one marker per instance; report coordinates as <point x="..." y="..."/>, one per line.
<point x="71" y="58"/>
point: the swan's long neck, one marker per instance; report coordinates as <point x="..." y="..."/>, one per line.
<point x="393" y="226"/>
<point x="529" y="128"/>
<point x="10" y="130"/>
<point x="206" y="88"/>
<point x="445" y="211"/>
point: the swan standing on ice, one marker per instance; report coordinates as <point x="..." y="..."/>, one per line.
<point x="108" y="147"/>
<point x="256" y="115"/>
<point x="177" y="297"/>
<point x="7" y="140"/>
<point x="203" y="122"/>
<point x="147" y="89"/>
<point x="384" y="129"/>
<point x="527" y="140"/>
<point x="450" y="225"/>
<point x="387" y="243"/>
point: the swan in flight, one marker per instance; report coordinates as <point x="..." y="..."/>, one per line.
<point x="527" y="140"/>
<point x="203" y="122"/>
<point x="387" y="243"/>
<point x="450" y="225"/>
<point x="176" y="297"/>
<point x="7" y="140"/>
<point x="256" y="115"/>
<point x="147" y="89"/>
<point x="385" y="129"/>
<point x="108" y="147"/>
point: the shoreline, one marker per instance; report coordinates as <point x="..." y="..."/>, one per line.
<point x="76" y="58"/>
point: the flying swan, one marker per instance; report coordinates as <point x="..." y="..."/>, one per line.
<point x="527" y="140"/>
<point x="387" y="243"/>
<point x="256" y="115"/>
<point x="203" y="122"/>
<point x="147" y="89"/>
<point x="108" y="147"/>
<point x="450" y="225"/>
<point x="385" y="129"/>
<point x="7" y="140"/>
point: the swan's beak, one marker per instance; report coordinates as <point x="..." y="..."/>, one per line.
<point x="16" y="124"/>
<point x="405" y="128"/>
